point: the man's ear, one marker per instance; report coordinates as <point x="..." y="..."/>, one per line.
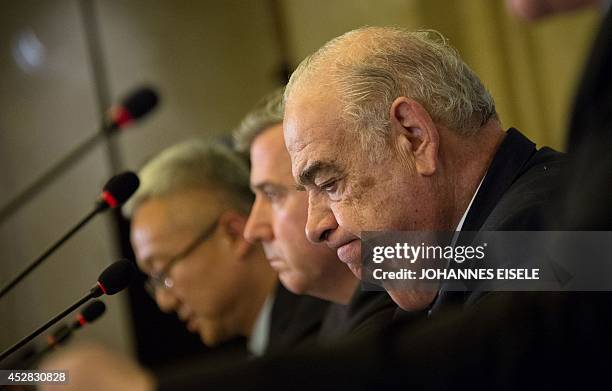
<point x="232" y="225"/>
<point x="415" y="134"/>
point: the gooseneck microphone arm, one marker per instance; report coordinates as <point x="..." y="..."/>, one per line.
<point x="94" y="310"/>
<point x="112" y="280"/>
<point x="45" y="326"/>
<point x="116" y="191"/>
<point x="48" y="252"/>
<point x="66" y="333"/>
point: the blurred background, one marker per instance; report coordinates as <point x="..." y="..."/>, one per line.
<point x="64" y="62"/>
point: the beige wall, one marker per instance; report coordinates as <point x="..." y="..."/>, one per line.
<point x="211" y="61"/>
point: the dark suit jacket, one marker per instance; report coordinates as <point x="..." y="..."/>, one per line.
<point x="592" y="110"/>
<point x="516" y="193"/>
<point x="296" y="320"/>
<point x="589" y="188"/>
<point x="367" y="312"/>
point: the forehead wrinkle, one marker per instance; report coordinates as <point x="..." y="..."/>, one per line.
<point x="301" y="133"/>
<point x="311" y="117"/>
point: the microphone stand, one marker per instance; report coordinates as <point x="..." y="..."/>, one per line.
<point x="95" y="292"/>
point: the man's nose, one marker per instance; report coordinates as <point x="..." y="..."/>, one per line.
<point x="321" y="221"/>
<point x="258" y="226"/>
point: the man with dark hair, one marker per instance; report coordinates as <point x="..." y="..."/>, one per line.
<point x="278" y="219"/>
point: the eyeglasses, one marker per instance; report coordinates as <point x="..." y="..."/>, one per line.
<point x="162" y="280"/>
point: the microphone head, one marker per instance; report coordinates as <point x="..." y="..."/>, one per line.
<point x="141" y="102"/>
<point x="138" y="104"/>
<point x="114" y="278"/>
<point x="91" y="312"/>
<point x="60" y="335"/>
<point x="119" y="189"/>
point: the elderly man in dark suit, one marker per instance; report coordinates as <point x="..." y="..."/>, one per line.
<point x="390" y="130"/>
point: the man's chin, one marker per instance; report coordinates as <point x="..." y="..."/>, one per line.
<point x="210" y="332"/>
<point x="209" y="339"/>
<point x="292" y="282"/>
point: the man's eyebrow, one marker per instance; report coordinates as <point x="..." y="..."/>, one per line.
<point x="310" y="172"/>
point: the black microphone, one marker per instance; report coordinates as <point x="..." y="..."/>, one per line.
<point x="64" y="332"/>
<point x="134" y="107"/>
<point x="89" y="314"/>
<point x="137" y="105"/>
<point x="116" y="191"/>
<point x="113" y="279"/>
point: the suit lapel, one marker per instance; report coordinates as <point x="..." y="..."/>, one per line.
<point x="295" y="319"/>
<point x="507" y="165"/>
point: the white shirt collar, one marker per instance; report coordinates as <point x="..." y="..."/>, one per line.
<point x="261" y="330"/>
<point x="460" y="225"/>
<point x="467" y="210"/>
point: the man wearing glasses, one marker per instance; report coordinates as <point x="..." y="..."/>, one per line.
<point x="188" y="218"/>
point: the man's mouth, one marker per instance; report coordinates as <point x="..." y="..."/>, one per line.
<point x="276" y="263"/>
<point x="185" y="315"/>
<point x="274" y="260"/>
<point x="350" y="252"/>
